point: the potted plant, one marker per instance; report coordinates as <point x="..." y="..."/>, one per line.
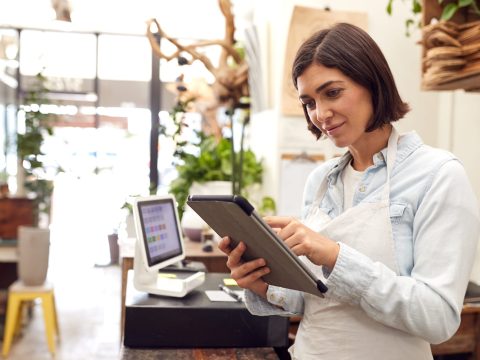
<point x="447" y="9"/>
<point x="213" y="163"/>
<point x="32" y="180"/>
<point x="32" y="173"/>
<point x="212" y="160"/>
<point x="211" y="172"/>
<point x="450" y="41"/>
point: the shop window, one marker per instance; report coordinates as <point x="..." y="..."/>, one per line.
<point x="122" y="57"/>
<point x="58" y="54"/>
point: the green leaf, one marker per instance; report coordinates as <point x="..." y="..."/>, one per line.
<point x="408" y="23"/>
<point x="463" y="3"/>
<point x="449" y="11"/>
<point x="475" y="7"/>
<point x="416" y="7"/>
<point x="389" y="7"/>
<point x="268" y="206"/>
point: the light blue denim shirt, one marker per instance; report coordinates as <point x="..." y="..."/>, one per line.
<point x="435" y="222"/>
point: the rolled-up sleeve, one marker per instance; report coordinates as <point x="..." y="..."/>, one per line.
<point x="281" y="301"/>
<point x="427" y="303"/>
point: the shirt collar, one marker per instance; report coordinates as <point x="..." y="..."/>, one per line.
<point x="408" y="143"/>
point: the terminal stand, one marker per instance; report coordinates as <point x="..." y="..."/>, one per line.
<point x="167" y="282"/>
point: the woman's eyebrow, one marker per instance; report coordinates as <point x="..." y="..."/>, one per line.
<point x="321" y="87"/>
<point x="325" y="84"/>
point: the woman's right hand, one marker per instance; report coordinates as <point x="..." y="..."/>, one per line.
<point x="248" y="275"/>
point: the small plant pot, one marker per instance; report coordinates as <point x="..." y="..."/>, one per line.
<point x="114" y="248"/>
<point x="33" y="255"/>
<point x="193" y="225"/>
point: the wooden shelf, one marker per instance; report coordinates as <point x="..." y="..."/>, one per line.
<point x="471" y="84"/>
<point x="14" y="211"/>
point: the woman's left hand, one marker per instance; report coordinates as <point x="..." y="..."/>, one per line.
<point x="304" y="241"/>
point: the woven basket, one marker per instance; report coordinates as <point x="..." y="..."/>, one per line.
<point x="451" y="56"/>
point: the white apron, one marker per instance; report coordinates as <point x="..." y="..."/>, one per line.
<point x="331" y="330"/>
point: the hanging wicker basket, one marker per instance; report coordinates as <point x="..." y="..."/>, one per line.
<point x="451" y="51"/>
<point x="451" y="56"/>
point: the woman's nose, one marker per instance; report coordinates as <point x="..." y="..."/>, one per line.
<point x="323" y="114"/>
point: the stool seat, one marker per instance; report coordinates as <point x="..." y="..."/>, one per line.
<point x="18" y="295"/>
<point x="19" y="286"/>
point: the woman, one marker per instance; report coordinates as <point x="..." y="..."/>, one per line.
<point x="391" y="226"/>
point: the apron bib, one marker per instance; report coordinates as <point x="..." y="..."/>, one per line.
<point x="331" y="330"/>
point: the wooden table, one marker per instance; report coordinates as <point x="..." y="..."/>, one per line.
<point x="214" y="261"/>
<point x="8" y="270"/>
<point x="8" y="262"/>
<point x="14" y="212"/>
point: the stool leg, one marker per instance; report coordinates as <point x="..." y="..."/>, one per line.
<point x="12" y="316"/>
<point x="19" y="320"/>
<point x="57" y="328"/>
<point x="48" y="314"/>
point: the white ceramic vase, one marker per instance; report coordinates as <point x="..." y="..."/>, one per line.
<point x="33" y="255"/>
<point x="192" y="224"/>
<point x="130" y="226"/>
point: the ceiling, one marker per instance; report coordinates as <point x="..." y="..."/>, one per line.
<point x="179" y="18"/>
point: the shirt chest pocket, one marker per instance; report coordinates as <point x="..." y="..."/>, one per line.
<point x="397" y="213"/>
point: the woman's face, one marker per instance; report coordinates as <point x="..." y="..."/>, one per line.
<point x="339" y="107"/>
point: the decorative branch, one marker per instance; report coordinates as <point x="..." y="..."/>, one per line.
<point x="231" y="83"/>
<point x="190" y="49"/>
<point x="229" y="87"/>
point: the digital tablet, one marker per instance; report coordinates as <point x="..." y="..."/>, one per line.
<point x="234" y="216"/>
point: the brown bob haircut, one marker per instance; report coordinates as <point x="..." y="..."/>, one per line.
<point x="352" y="51"/>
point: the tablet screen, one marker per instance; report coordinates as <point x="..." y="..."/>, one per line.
<point x="160" y="230"/>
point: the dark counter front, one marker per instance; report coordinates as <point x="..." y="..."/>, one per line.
<point x="196" y="322"/>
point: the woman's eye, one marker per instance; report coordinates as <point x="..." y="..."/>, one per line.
<point x="309" y="104"/>
<point x="333" y="93"/>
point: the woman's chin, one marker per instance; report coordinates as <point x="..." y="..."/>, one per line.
<point x="338" y="142"/>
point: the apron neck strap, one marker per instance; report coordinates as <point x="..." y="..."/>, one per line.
<point x="391" y="156"/>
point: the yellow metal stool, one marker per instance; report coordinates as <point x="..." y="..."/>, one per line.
<point x="18" y="294"/>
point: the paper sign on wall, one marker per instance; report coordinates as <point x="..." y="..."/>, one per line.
<point x="294" y="171"/>
<point x="305" y="21"/>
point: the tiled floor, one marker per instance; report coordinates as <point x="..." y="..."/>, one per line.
<point x="88" y="305"/>
<point x="88" y="296"/>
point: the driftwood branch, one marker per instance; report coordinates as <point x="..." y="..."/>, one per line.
<point x="231" y="83"/>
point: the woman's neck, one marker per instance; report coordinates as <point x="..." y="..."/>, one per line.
<point x="370" y="144"/>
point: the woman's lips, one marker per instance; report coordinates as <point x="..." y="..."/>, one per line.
<point x="333" y="129"/>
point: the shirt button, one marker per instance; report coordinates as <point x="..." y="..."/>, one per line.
<point x="362" y="188"/>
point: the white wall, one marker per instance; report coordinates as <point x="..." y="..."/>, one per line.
<point x="464" y="129"/>
<point x="449" y="120"/>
